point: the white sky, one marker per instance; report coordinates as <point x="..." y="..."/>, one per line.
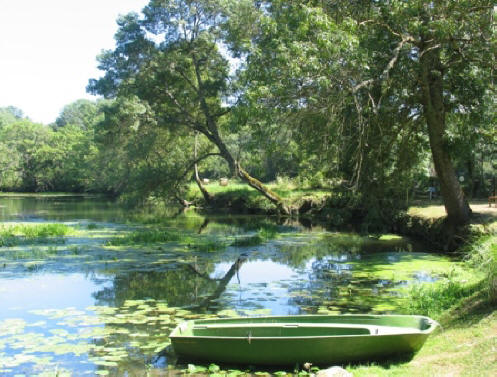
<point x="48" y="50"/>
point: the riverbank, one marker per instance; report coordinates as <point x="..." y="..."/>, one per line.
<point x="465" y="344"/>
<point x="424" y="219"/>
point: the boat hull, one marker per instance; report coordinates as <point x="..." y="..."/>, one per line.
<point x="300" y="339"/>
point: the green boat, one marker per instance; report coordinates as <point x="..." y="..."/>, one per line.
<point x="287" y="340"/>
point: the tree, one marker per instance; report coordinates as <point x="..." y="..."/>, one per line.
<point x="82" y="113"/>
<point x="373" y="74"/>
<point x="10" y="114"/>
<point x="450" y="47"/>
<point x="181" y="73"/>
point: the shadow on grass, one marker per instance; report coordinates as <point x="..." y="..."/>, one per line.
<point x="470" y="311"/>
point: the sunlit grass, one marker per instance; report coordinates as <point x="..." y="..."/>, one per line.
<point x="429" y="212"/>
<point x="466" y="350"/>
<point x="146" y="236"/>
<point x="288" y="191"/>
<point x="15" y="234"/>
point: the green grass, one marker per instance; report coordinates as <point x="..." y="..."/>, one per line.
<point x="482" y="254"/>
<point x="480" y="276"/>
<point x="17" y="234"/>
<point x="208" y="244"/>
<point x="148" y="236"/>
<point x="287" y="190"/>
<point x="434" y="299"/>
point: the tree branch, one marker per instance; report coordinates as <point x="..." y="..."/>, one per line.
<point x="386" y="71"/>
<point x="196" y="161"/>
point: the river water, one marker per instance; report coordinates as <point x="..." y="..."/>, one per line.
<point x="102" y="299"/>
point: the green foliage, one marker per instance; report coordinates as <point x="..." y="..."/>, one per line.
<point x="36" y="158"/>
<point x="326" y="94"/>
<point x="10" y="115"/>
<point x="83" y="113"/>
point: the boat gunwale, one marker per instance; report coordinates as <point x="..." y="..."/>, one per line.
<point x="432" y="326"/>
<point x="252" y="338"/>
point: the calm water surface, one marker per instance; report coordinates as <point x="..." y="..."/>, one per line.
<point x="86" y="304"/>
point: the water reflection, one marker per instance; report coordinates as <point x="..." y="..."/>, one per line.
<point x="88" y="306"/>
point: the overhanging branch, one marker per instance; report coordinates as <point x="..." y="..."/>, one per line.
<point x="196" y="161"/>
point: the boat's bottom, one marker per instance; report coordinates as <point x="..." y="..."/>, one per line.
<point x="298" y="339"/>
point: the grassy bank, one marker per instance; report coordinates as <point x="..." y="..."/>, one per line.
<point x="241" y="198"/>
<point x="464" y="303"/>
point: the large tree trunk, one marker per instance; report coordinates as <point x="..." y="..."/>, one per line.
<point x="431" y="77"/>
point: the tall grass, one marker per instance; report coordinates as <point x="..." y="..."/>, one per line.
<point x="482" y="254"/>
<point x="432" y="299"/>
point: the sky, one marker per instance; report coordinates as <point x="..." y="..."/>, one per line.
<point x="48" y="50"/>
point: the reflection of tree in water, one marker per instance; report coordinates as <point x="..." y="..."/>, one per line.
<point x="322" y="284"/>
<point x="147" y="322"/>
<point x="179" y="287"/>
<point x="333" y="279"/>
<point x="187" y="285"/>
<point x="329" y="280"/>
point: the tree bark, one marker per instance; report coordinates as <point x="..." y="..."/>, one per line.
<point x="431" y="78"/>
<point x="268" y="193"/>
